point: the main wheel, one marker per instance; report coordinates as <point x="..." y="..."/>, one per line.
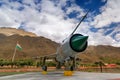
<point x="72" y="68"/>
<point x="44" y="68"/>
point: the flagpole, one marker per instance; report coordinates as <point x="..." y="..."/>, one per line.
<point x="14" y="54"/>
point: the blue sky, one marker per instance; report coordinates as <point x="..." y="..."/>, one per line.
<point x="56" y="19"/>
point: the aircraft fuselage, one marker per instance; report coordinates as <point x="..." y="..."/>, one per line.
<point x="71" y="46"/>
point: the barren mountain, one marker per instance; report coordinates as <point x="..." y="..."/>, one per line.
<point x="104" y="53"/>
<point x="13" y="31"/>
<point x="34" y="46"/>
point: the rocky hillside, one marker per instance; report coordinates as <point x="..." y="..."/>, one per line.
<point x="32" y="45"/>
<point x="101" y="53"/>
<point x="36" y="46"/>
<point x="13" y="31"/>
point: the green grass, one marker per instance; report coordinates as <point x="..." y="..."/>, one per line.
<point x="9" y="73"/>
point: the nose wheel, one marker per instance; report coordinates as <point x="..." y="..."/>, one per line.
<point x="69" y="67"/>
<point x="44" y="67"/>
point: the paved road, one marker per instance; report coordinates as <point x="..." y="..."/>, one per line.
<point x="59" y="76"/>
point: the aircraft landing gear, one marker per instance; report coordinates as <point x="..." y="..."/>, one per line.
<point x="72" y="68"/>
<point x="69" y="67"/>
<point x="58" y="66"/>
<point x="44" y="67"/>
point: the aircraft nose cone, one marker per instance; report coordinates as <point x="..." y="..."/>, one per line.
<point x="80" y="39"/>
<point x="78" y="42"/>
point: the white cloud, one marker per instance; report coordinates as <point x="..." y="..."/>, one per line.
<point x="7" y="17"/>
<point x="100" y="39"/>
<point x="50" y="26"/>
<point x="109" y="13"/>
<point x="118" y="37"/>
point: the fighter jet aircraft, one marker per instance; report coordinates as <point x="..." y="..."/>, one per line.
<point x="68" y="49"/>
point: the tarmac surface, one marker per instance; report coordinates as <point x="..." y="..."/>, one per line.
<point x="58" y="75"/>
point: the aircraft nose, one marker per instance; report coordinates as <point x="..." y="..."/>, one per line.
<point x="79" y="39"/>
<point x="78" y="42"/>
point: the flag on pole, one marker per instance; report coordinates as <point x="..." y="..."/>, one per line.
<point x="18" y="47"/>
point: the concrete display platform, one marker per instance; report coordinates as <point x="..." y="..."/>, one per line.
<point x="57" y="75"/>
